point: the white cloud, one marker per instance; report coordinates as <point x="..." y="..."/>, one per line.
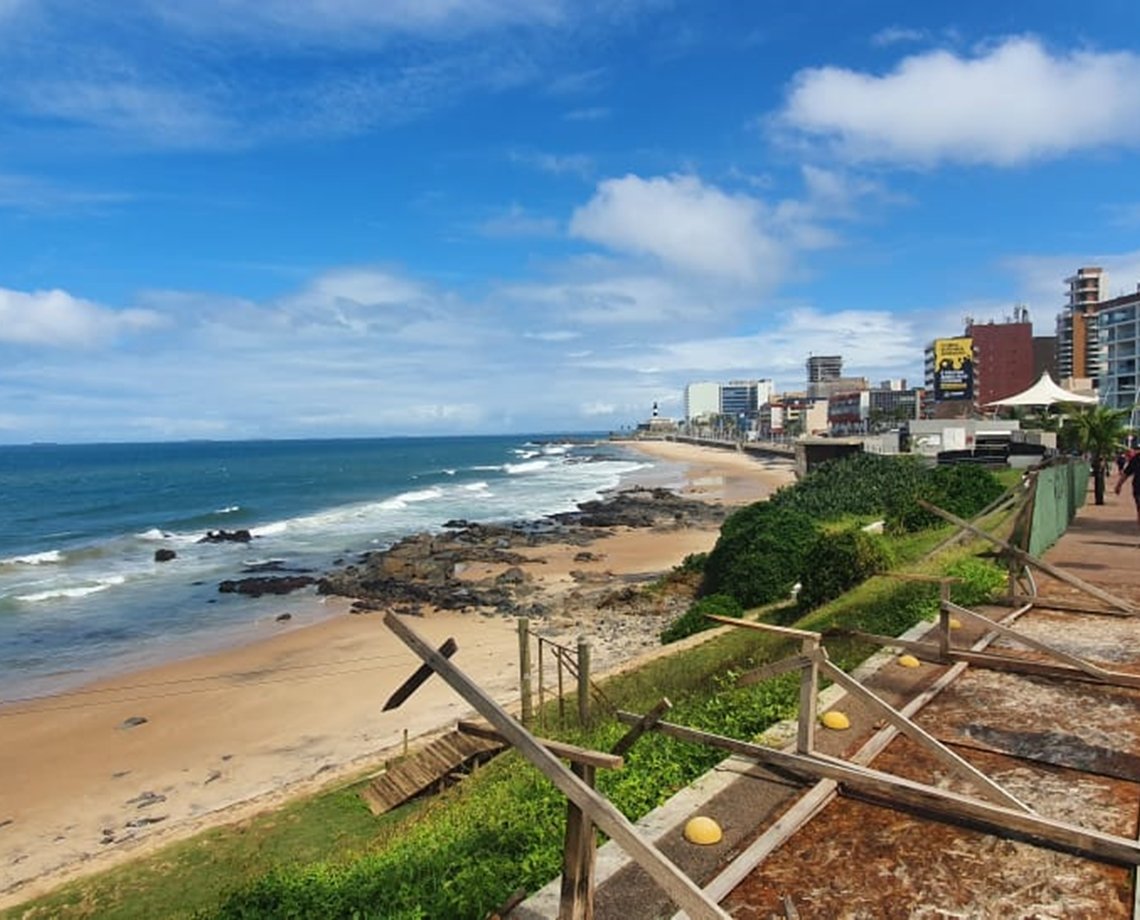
<point x="1008" y="104"/>
<point x="34" y="195"/>
<point x="516" y="221"/>
<point x="894" y="35"/>
<point x="55" y="318"/>
<point x="160" y="115"/>
<point x="358" y="22"/>
<point x="683" y="223"/>
<point x="597" y="408"/>
<point x="1041" y="278"/>
<point x="557" y="164"/>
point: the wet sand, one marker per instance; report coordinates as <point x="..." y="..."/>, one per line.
<point x="86" y="784"/>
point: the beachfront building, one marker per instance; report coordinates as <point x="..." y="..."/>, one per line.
<point x="1118" y="339"/>
<point x="726" y="409"/>
<point x="702" y="401"/>
<point x="871" y="410"/>
<point x="1077" y="334"/>
<point x="791" y="415"/>
<point x="1003" y="356"/>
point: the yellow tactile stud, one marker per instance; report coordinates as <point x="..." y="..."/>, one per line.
<point x="908" y="661"/>
<point x="703" y="831"/>
<point x="835" y="720"/>
<point x="955" y="623"/>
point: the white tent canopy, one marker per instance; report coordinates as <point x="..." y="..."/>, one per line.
<point x="1044" y="392"/>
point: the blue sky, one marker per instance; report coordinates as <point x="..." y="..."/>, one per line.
<point x="289" y="218"/>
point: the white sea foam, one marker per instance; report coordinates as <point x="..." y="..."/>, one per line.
<point x="45" y="558"/>
<point x="401" y="501"/>
<point x="476" y="487"/>
<point x="270" y="530"/>
<point x="153" y="534"/>
<point x="531" y="466"/>
<point x="229" y="509"/>
<point x="74" y="591"/>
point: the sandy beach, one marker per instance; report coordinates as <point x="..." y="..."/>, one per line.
<point x="95" y="776"/>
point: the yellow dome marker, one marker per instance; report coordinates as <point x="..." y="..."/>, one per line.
<point x="908" y="661"/>
<point x="836" y="721"/>
<point x="702" y="830"/>
<point x="955" y="623"/>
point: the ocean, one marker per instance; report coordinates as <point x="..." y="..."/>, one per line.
<point x="81" y="595"/>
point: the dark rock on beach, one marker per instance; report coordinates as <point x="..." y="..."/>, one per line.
<point x="164" y="555"/>
<point x="424" y="569"/>
<point x="266" y="584"/>
<point x="227" y="536"/>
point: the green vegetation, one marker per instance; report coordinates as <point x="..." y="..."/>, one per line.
<point x="1098" y="431"/>
<point x="461" y="854"/>
<point x="695" y="619"/>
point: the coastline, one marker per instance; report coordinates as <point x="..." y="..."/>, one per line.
<point x="239" y="731"/>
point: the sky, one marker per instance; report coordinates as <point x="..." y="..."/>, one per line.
<point x="339" y="218"/>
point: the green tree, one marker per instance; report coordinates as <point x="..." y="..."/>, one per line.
<point x="1099" y="432"/>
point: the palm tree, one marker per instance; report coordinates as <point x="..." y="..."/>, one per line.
<point x="1100" y="432"/>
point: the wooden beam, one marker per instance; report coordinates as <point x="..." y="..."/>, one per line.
<point x="559" y="749"/>
<point x="646" y="722"/>
<point x="684" y="892"/>
<point x="994" y="662"/>
<point x="1048" y="603"/>
<point x="765" y="627"/>
<point x="421" y="674"/>
<point x="924" y="739"/>
<point x="579" y="857"/>
<point x="1029" y="559"/>
<point x="920" y="577"/>
<point x="1077" y="662"/>
<point x="939" y="803"/>
<point x="774" y="669"/>
<point x="1008" y="497"/>
<point x="809" y="695"/>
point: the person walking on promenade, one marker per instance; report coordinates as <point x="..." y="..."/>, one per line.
<point x="1131" y="470"/>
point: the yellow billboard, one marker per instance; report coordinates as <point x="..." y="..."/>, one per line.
<point x="953" y="369"/>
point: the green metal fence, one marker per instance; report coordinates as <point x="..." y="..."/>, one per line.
<point x="1059" y="491"/>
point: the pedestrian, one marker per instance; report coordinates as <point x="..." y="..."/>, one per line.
<point x="1131" y="470"/>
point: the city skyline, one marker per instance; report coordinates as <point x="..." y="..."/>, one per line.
<point x="293" y="218"/>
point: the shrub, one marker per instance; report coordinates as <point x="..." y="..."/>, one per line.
<point x="836" y="562"/>
<point x="858" y="485"/>
<point x="759" y="554"/>
<point x="963" y="489"/>
<point x="693" y="620"/>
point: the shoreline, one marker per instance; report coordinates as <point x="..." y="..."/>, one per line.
<point x="232" y="733"/>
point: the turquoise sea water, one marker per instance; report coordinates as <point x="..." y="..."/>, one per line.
<point x="82" y="596"/>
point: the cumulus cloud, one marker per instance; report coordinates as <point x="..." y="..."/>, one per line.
<point x="1008" y="104"/>
<point x="56" y="319"/>
<point x="683" y="223"/>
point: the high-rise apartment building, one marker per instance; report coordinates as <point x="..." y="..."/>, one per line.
<point x="1118" y="338"/>
<point x="824" y="367"/>
<point x="1077" y="345"/>
<point x="702" y="400"/>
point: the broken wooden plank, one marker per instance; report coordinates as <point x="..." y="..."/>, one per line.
<point x="774" y="669"/>
<point x="1029" y="559"/>
<point x="646" y="722"/>
<point x="570" y="752"/>
<point x="1010" y="633"/>
<point x="942" y="804"/>
<point x="1053" y="603"/>
<point x="923" y="738"/>
<point x="684" y="892"/>
<point x="765" y="627"/>
<point x="421" y="674"/>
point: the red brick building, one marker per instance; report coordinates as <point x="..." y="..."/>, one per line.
<point x="1003" y="358"/>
